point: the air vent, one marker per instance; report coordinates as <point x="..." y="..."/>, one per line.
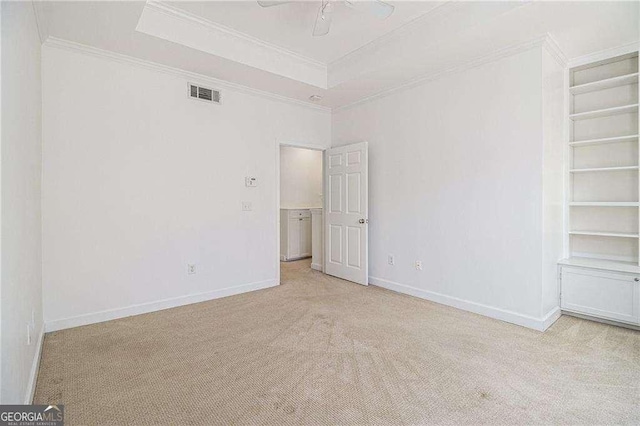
<point x="204" y="94"/>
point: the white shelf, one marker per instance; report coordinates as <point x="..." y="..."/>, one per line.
<point x="609" y="265"/>
<point x="604" y="112"/>
<point x="604" y="169"/>
<point x="605" y="234"/>
<point x="601" y="237"/>
<point x="605" y="84"/>
<point x="602" y="141"/>
<point x="604" y="203"/>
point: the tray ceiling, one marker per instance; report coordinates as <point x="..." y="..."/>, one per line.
<point x="271" y="49"/>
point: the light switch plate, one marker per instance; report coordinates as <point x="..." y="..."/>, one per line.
<point x="247" y="206"/>
<point x="250" y="181"/>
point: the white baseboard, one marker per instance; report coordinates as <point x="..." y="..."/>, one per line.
<point x="539" y="324"/>
<point x="551" y="317"/>
<point x="159" y="305"/>
<point x="316" y="266"/>
<point x="601" y="320"/>
<point x="35" y="366"/>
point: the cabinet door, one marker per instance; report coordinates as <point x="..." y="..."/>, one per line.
<point x="294" y="238"/>
<point x="609" y="295"/>
<point x="305" y="237"/>
<point x="316" y="241"/>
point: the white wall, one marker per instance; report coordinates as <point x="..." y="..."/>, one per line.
<point x="139" y="180"/>
<point x="456" y="181"/>
<point x="300" y="177"/>
<point x="552" y="177"/>
<point x="21" y="220"/>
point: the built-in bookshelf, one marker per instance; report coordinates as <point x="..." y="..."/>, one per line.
<point x="603" y="178"/>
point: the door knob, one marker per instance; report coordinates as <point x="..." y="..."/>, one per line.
<point x="636" y="279"/>
<point x="363" y="221"/>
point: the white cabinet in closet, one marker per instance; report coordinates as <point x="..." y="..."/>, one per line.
<point x="316" y="239"/>
<point x="295" y="234"/>
<point x="602" y="223"/>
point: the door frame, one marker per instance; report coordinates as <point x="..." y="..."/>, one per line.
<point x="295" y="144"/>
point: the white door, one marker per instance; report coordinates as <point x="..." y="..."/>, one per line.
<point x="347" y="208"/>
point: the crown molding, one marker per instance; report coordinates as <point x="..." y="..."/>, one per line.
<point x="176" y="12"/>
<point x="399" y="32"/>
<point x="58" y="43"/>
<point x="425" y="78"/>
<point x="41" y="23"/>
<point x="552" y="46"/>
<point x="604" y="54"/>
<point x="440" y="24"/>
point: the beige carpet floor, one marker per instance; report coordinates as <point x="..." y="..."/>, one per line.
<point x="318" y="350"/>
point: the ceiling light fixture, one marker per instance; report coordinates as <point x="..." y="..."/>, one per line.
<point x="377" y="8"/>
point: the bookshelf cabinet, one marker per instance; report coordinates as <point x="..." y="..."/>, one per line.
<point x="601" y="272"/>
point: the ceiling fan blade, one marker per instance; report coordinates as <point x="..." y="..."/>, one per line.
<point x="323" y="20"/>
<point x="377" y="8"/>
<point x="264" y="3"/>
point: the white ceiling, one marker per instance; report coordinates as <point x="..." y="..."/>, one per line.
<point x="290" y="25"/>
<point x="271" y="49"/>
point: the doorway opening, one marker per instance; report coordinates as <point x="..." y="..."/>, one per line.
<point x="300" y="207"/>
<point x="323" y="208"/>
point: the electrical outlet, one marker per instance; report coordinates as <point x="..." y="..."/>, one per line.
<point x="28" y="334"/>
<point x="390" y="260"/>
<point x="247" y="206"/>
<point x="191" y="268"/>
<point x="419" y="265"/>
